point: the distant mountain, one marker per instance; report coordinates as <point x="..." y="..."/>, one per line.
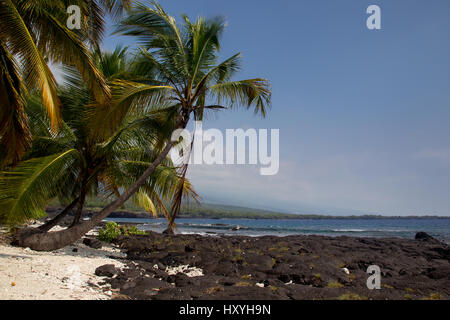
<point x="211" y="210"/>
<point x="218" y="211"/>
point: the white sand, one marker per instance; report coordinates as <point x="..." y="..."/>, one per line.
<point x="56" y="275"/>
<point x="185" y="269"/>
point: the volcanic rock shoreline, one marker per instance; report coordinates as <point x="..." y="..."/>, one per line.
<point x="269" y="267"/>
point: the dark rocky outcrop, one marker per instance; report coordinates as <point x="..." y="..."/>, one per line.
<point x="293" y="267"/>
<point x="424" y="236"/>
<point x="107" y="270"/>
<point x="93" y="243"/>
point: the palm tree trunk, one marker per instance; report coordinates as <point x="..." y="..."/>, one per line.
<point x="50" y="224"/>
<point x="79" y="212"/>
<point x="55" y="240"/>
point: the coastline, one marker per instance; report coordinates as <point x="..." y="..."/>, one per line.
<point x="265" y="216"/>
<point x="159" y="266"/>
<point x="401" y="228"/>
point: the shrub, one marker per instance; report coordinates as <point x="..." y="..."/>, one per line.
<point x="132" y="230"/>
<point x="112" y="230"/>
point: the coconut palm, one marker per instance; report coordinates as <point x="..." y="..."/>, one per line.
<point x="33" y="33"/>
<point x="77" y="163"/>
<point x="188" y="76"/>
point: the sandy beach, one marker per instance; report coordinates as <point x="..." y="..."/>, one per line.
<point x="65" y="274"/>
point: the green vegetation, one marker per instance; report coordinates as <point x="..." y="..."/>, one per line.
<point x="220" y="211"/>
<point x="351" y="296"/>
<point x="243" y="284"/>
<point x="214" y="289"/>
<point x="238" y="258"/>
<point x="433" y="296"/>
<point x="334" y="284"/>
<point x="33" y="33"/>
<point x="112" y="230"/>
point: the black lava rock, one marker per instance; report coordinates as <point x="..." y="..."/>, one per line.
<point x="93" y="243"/>
<point x="423" y="236"/>
<point x="107" y="270"/>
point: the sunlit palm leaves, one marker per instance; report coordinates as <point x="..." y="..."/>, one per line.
<point x="33" y="32"/>
<point x="26" y="190"/>
<point x="14" y="130"/>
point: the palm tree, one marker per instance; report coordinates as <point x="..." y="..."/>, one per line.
<point x="32" y="33"/>
<point x="189" y="78"/>
<point x="72" y="166"/>
<point x="77" y="163"/>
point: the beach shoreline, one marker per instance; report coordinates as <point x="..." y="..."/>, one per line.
<point x="190" y="266"/>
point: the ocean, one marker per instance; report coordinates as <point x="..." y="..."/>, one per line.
<point x="392" y="227"/>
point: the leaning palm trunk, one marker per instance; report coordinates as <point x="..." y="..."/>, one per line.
<point x="81" y="202"/>
<point x="55" y="240"/>
<point x="50" y="224"/>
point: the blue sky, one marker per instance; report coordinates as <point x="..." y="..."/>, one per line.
<point x="363" y="114"/>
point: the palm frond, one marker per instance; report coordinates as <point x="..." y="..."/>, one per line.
<point x="157" y="30"/>
<point x="142" y="200"/>
<point x="252" y="92"/>
<point x="25" y="190"/>
<point x="65" y="46"/>
<point x="15" y="136"/>
<point x="117" y="7"/>
<point x="37" y="74"/>
<point x="128" y="97"/>
<point x="222" y="72"/>
<point x="204" y="44"/>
